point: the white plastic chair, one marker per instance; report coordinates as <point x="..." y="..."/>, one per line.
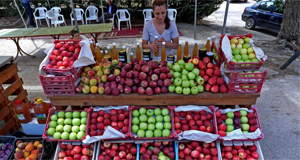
<point x="112" y="20"/>
<point x="79" y="15"/>
<point x="147" y="14"/>
<point x="56" y="9"/>
<point x="122" y="17"/>
<point x="93" y="14"/>
<point x="55" y="18"/>
<point x="172" y="14"/>
<point x="41" y="15"/>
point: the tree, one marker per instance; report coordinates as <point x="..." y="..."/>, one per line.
<point x="290" y="26"/>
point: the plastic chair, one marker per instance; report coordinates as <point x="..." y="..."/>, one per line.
<point x="172" y="14"/>
<point x="41" y="15"/>
<point x="112" y="20"/>
<point x="93" y="14"/>
<point x="123" y="17"/>
<point x="147" y="14"/>
<point x="79" y="15"/>
<point x="54" y="17"/>
<point x="56" y="9"/>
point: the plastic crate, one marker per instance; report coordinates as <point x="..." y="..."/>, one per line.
<point x="58" y="149"/>
<point x="11" y="140"/>
<point x="53" y="111"/>
<point x="60" y="85"/>
<point x="236" y="77"/>
<point x="171" y="109"/>
<point x="258" y="125"/>
<point x="56" y="71"/>
<point x="217" y="54"/>
<point x="99" y="150"/>
<point x="175" y="150"/>
<point x="244" y="87"/>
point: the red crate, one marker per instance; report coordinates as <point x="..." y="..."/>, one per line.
<point x="218" y="60"/>
<point x="236" y="77"/>
<point x="257" y="125"/>
<point x="244" y="87"/>
<point x="171" y="108"/>
<point x="60" y="85"/>
<point x="127" y="135"/>
<point x="56" y="71"/>
<point x="52" y="111"/>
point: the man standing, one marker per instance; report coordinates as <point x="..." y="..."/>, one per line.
<point x="109" y="11"/>
<point x="28" y="11"/>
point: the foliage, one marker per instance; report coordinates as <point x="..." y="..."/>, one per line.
<point x="279" y="5"/>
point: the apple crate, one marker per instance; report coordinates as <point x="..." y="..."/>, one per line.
<point x="171" y="114"/>
<point x="11" y="141"/>
<point x="60" y="85"/>
<point x="58" y="149"/>
<point x="102" y="149"/>
<point x="175" y="145"/>
<point x="236" y="77"/>
<point x="57" y="71"/>
<point x="53" y="111"/>
<point x="217" y="54"/>
<point x="243" y="144"/>
<point x="244" y="87"/>
<point x="257" y="125"/>
<point x="192" y="110"/>
<point x="108" y="110"/>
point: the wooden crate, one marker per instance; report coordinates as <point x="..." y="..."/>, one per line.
<point x="11" y="89"/>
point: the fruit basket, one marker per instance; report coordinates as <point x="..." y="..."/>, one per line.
<point x="60" y="85"/>
<point x="56" y="124"/>
<point x="118" y="117"/>
<point x="140" y="131"/>
<point x="230" y="120"/>
<point x="117" y="150"/>
<point x="157" y="150"/>
<point x="244" y="87"/>
<point x="76" y="151"/>
<point x="239" y="150"/>
<point x="7" y="144"/>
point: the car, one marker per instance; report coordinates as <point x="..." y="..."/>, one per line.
<point x="264" y="14"/>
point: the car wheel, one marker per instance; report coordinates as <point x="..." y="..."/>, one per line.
<point x="250" y="23"/>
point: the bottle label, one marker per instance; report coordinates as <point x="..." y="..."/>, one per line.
<point x="40" y="116"/>
<point x="21" y="116"/>
<point x="122" y="58"/>
<point x="146" y="57"/>
<point x="170" y="59"/>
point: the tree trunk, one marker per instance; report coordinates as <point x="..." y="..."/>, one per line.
<point x="290" y="26"/>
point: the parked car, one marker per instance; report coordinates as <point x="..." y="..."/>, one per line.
<point x="263" y="14"/>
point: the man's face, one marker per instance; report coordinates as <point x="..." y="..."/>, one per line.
<point x="109" y="2"/>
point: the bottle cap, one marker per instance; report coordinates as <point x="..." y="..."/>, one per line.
<point x="106" y="51"/>
<point x="113" y="44"/>
<point x="138" y="43"/>
<point x="39" y="101"/>
<point x="91" y="41"/>
<point x="196" y="42"/>
<point x="97" y="44"/>
<point x="208" y="38"/>
<point x="131" y="54"/>
<point x="180" y="43"/>
<point x="101" y="51"/>
<point x="163" y="43"/>
<point x="186" y="40"/>
<point x="108" y="47"/>
<point x="19" y="102"/>
<point x="124" y="47"/>
<point x="156" y="36"/>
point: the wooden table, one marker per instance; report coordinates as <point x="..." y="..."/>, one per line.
<point x="95" y="29"/>
<point x="54" y="32"/>
<point x="205" y="98"/>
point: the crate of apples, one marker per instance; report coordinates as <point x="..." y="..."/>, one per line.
<point x="74" y="151"/>
<point x="117" y="117"/>
<point x="242" y="118"/>
<point x="114" y="151"/>
<point x="197" y="150"/>
<point x="157" y="150"/>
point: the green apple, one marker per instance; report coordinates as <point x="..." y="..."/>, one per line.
<point x="151" y="120"/>
<point x="192" y="83"/>
<point x="151" y="127"/>
<point x="135" y="113"/>
<point x="72" y="136"/>
<point x="59" y="128"/>
<point x="157" y="133"/>
<point x="177" y="82"/>
<point x="245" y="127"/>
<point x="181" y="62"/>
<point x="247" y="40"/>
<point x="167" y="125"/>
<point x="196" y="71"/>
<point x="245" y="132"/>
<point x="184" y="72"/>
<point x="166" y="133"/>
<point x="54" y="117"/>
<point x="80" y="135"/>
<point x="52" y="124"/>
<point x="230" y="114"/>
<point x="143" y="126"/>
<point x="185" y="83"/>
<point x="60" y="121"/>
<point x="250" y="50"/>
<point x="191" y="75"/>
<point x="161" y="155"/>
<point x="171" y="88"/>
<point x="243" y="113"/>
<point x="142" y="111"/>
<point x="149" y="112"/>
<point x="239" y="46"/>
<point x="186" y="91"/>
<point x="135" y="120"/>
<point x="236" y="51"/>
<point x="57" y="135"/>
<point x="67" y="128"/>
<point x="61" y="114"/>
<point x="135" y="128"/>
<point x="167" y="118"/>
<point x="50" y="131"/>
<point x="244" y="120"/>
<point x="199" y="80"/>
<point x="165" y="111"/>
<point x="234" y="60"/>
<point x="169" y="65"/>
<point x="176" y="75"/>
<point x="159" y="118"/>
<point x="189" y="66"/>
<point x="252" y="56"/>
<point x="238" y="57"/>
<point x="229" y="121"/>
<point x="245" y="57"/>
<point x="232" y="45"/>
<point x="141" y="133"/>
<point x="82" y="127"/>
<point x="176" y="68"/>
<point x="149" y="134"/>
<point x="75" y="129"/>
<point x="178" y="90"/>
<point x="68" y="121"/>
<point x="255" y="60"/>
<point x="246" y="46"/>
<point x="83" y="114"/>
<point x="76" y="114"/>
<point x="157" y="111"/>
<point x="229" y="128"/>
<point x="243" y="51"/>
<point x="159" y="125"/>
<point x="68" y="114"/>
<point x="76" y="122"/>
<point x="194" y="90"/>
<point x="143" y="118"/>
<point x="65" y="135"/>
<point x="83" y="120"/>
<point x="241" y="41"/>
<point x="240" y="61"/>
<point x="184" y="77"/>
<point x="200" y="88"/>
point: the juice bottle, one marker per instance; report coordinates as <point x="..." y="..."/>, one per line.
<point x="41" y="110"/>
<point x="114" y="52"/>
<point x="163" y="52"/>
<point x="131" y="57"/>
<point x="138" y="52"/>
<point x="179" y="52"/>
<point x="186" y="48"/>
<point x="195" y="50"/>
<point x="99" y="54"/>
<point x="207" y="46"/>
<point x="22" y="111"/>
<point x="92" y="48"/>
<point x="109" y="51"/>
<point x="157" y="46"/>
<point x="123" y="55"/>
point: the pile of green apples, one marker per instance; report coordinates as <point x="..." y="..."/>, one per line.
<point x="242" y="52"/>
<point x="151" y="123"/>
<point x="69" y="125"/>
<point x="186" y="79"/>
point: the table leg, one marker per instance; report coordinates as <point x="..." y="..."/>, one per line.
<point x="19" y="49"/>
<point x="55" y="37"/>
<point x="95" y="37"/>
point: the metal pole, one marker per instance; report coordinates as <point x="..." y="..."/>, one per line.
<point x="102" y="11"/>
<point x="49" y="4"/>
<point x="167" y="4"/>
<point x="225" y="18"/>
<point x="195" y="19"/>
<point x="20" y="14"/>
<point x="74" y="14"/>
